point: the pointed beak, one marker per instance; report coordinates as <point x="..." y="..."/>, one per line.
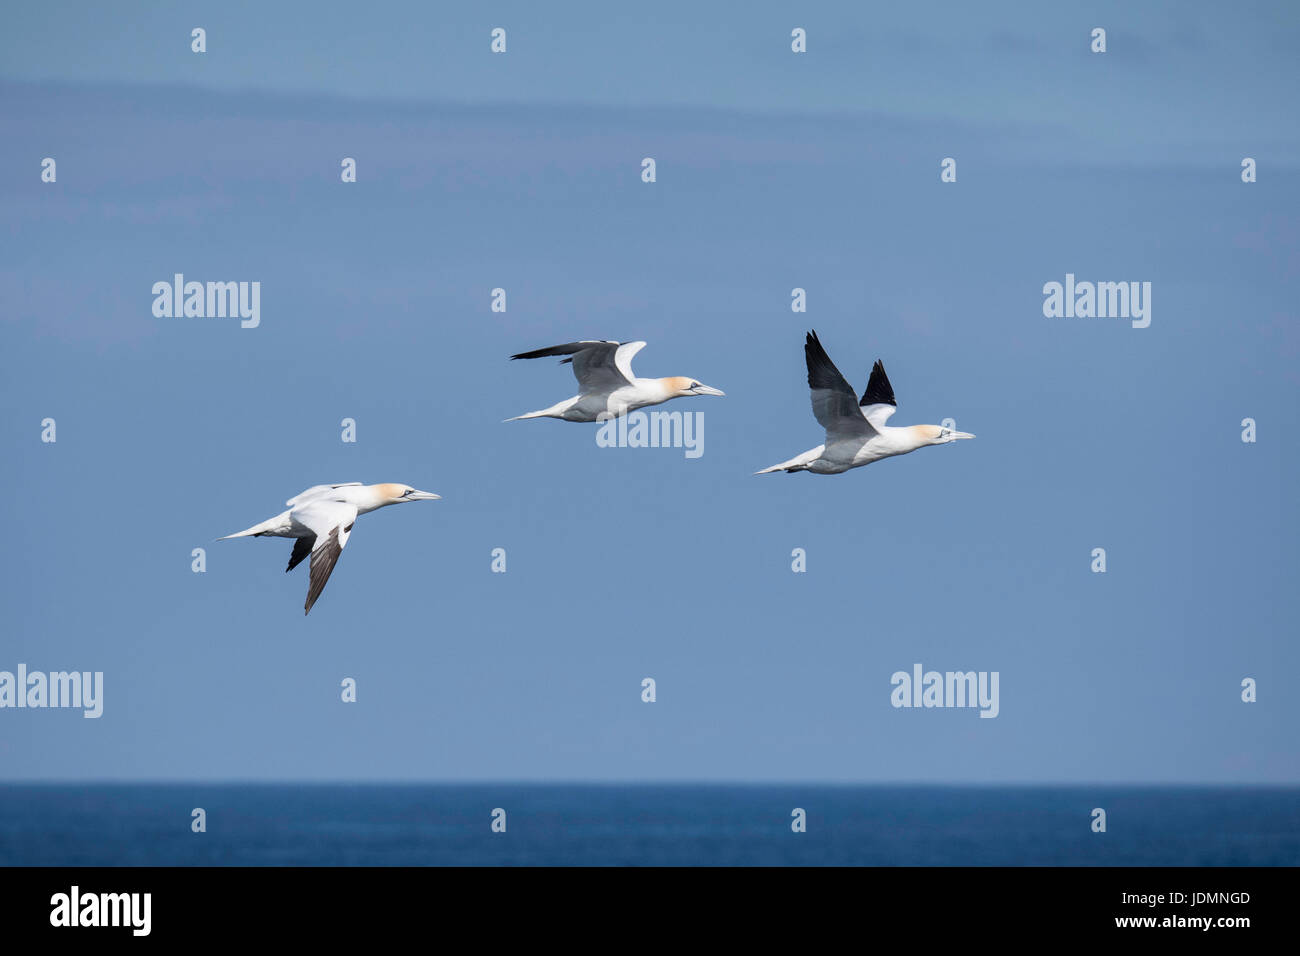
<point x="705" y="390"/>
<point x="422" y="496"/>
<point x="956" y="435"/>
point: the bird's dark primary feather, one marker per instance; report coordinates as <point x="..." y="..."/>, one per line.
<point x="569" y="348"/>
<point x="879" y="391"/>
<point x="301" y="548"/>
<point x="323" y="560"/>
<point x="822" y="372"/>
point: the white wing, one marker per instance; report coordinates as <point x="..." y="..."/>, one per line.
<point x="316" y="491"/>
<point x="331" y="522"/>
<point x="878" y="414"/>
<point x="623" y="358"/>
<point x="878" y="400"/>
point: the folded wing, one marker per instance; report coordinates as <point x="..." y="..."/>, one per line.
<point x="599" y="366"/>
<point x="316" y="491"/>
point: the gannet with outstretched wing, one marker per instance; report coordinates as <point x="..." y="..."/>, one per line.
<point x="321" y="519"/>
<point x="607" y="385"/>
<point x="856" y="433"/>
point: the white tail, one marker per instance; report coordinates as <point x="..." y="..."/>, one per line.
<point x="276" y="526"/>
<point x="555" y="411"/>
<point x="797" y="463"/>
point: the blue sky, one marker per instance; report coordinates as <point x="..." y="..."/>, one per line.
<point x="522" y="171"/>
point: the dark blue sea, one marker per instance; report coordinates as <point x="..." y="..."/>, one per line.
<point x="645" y="825"/>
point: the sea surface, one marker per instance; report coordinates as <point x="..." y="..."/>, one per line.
<point x="645" y="825"/>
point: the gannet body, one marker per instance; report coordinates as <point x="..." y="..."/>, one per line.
<point x="321" y="520"/>
<point x="607" y="385"/>
<point x="856" y="433"/>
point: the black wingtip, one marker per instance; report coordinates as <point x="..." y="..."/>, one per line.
<point x="301" y="548"/>
<point x="535" y="354"/>
<point x="822" y="372"/>
<point x="879" y="391"/>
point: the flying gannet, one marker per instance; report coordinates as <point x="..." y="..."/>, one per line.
<point x="856" y="433"/>
<point x="607" y="385"/>
<point x="321" y="519"/>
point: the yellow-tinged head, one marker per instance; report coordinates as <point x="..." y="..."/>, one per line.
<point x="679" y="386"/>
<point x="391" y="494"/>
<point x="937" y="434"/>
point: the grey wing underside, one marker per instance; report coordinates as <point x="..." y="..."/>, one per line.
<point x="594" y="362"/>
<point x="834" y="403"/>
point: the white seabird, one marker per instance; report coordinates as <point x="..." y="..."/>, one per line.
<point x="606" y="383"/>
<point x="321" y="519"/>
<point x="856" y="433"/>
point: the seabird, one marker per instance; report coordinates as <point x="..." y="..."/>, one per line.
<point x="321" y="520"/>
<point x="856" y="433"/>
<point x="607" y="385"/>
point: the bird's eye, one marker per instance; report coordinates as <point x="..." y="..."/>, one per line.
<point x="695" y="384"/>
